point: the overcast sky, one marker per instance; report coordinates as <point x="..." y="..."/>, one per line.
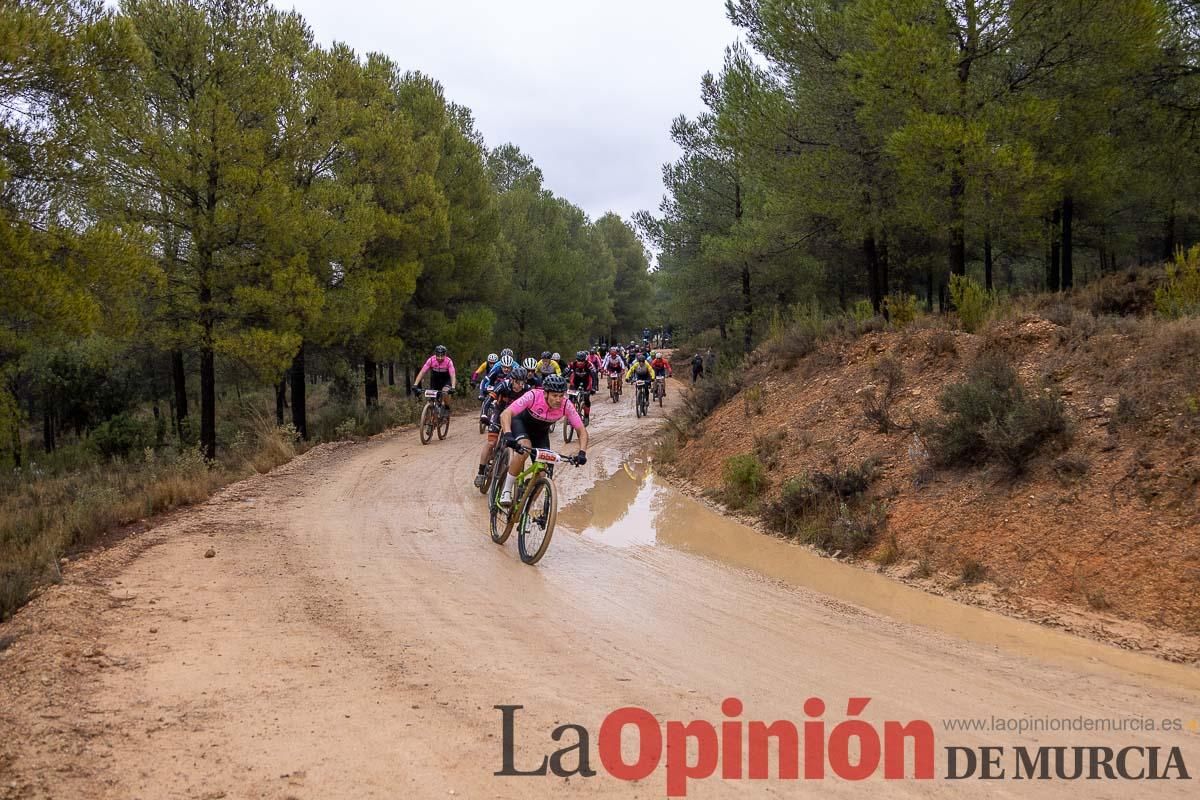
<point x="588" y="89"/>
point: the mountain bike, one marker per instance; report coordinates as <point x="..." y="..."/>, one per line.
<point x="614" y="386"/>
<point x="434" y="415"/>
<point x="495" y="471"/>
<point x="641" y="400"/>
<point x="660" y="388"/>
<point x="576" y="397"/>
<point x="534" y="508"/>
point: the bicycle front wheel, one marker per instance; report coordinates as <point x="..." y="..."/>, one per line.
<point x="426" y="428"/>
<point x="443" y="423"/>
<point x="535" y="526"/>
<point x="500" y="520"/>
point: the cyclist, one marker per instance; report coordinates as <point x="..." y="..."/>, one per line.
<point x="530" y="365"/>
<point x="613" y="364"/>
<point x="503" y="367"/>
<point x="482" y="370"/>
<point x="500" y="397"/>
<point x="441" y="373"/>
<point x="581" y="375"/>
<point x="547" y="365"/>
<point x="595" y="360"/>
<point x="640" y="369"/>
<point x="661" y="366"/>
<point x="528" y="421"/>
<point x="562" y="363"/>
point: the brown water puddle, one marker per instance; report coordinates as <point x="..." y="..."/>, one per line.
<point x="632" y="507"/>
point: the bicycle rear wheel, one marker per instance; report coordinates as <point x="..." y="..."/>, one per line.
<point x="426" y="428"/>
<point x="535" y="525"/>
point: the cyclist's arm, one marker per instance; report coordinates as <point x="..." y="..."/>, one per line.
<point x="651" y="368"/>
<point x="453" y="377"/>
<point x="629" y="372"/>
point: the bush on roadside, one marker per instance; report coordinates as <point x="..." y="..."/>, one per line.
<point x="121" y="435"/>
<point x="745" y="478"/>
<point x="1180" y="295"/>
<point x="970" y="301"/>
<point x="992" y="417"/>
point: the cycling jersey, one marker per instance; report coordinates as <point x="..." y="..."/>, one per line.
<point x="581" y="375"/>
<point x="661" y="365"/>
<point x="503" y="394"/>
<point x="643" y="370"/>
<point x="613" y="363"/>
<point x="532" y="406"/>
<point x="480" y="371"/>
<point x="441" y="372"/>
<point x="546" y="367"/>
<point x="595" y="360"/>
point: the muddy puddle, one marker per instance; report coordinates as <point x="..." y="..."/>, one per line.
<point x="633" y="507"/>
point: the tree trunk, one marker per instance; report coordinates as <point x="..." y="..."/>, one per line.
<point x="987" y="258"/>
<point x="281" y="398"/>
<point x="747" y="309"/>
<point x="47" y="429"/>
<point x="299" y="405"/>
<point x="179" y="379"/>
<point x="872" y="258"/>
<point x="208" y="399"/>
<point x="370" y="382"/>
<point x="721" y="328"/>
<point x="958" y="243"/>
<point x="929" y="290"/>
<point x="1169" y="235"/>
<point x="1068" y="269"/>
<point x="884" y="285"/>
<point x="391" y="373"/>
<point x="1053" y="268"/>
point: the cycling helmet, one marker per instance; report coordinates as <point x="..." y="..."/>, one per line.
<point x="507" y="361"/>
<point x="492" y="358"/>
<point x="581" y="355"/>
<point x="556" y="357"/>
<point x="613" y="349"/>
<point x="641" y="356"/>
<point x="555" y="383"/>
<point x="506" y="352"/>
<point x="529" y="363"/>
<point x="545" y="354"/>
<point x="655" y="356"/>
<point x="519" y="373"/>
<point x="440" y="350"/>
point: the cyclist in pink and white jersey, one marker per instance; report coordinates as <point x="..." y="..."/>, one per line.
<point x="441" y="373"/>
<point x="528" y="419"/>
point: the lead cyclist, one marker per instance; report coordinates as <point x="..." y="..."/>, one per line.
<point x="527" y="422"/>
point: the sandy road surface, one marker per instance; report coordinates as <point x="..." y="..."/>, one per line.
<point x="357" y="626"/>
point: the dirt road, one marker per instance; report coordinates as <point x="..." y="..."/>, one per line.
<point x="356" y="628"/>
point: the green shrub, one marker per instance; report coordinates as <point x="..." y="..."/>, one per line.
<point x="902" y="309"/>
<point x="828" y="509"/>
<point x="768" y="447"/>
<point x="1180" y="295"/>
<point x="862" y="311"/>
<point x="744" y="479"/>
<point x="991" y="416"/>
<point x="122" y="435"/>
<point x="970" y="300"/>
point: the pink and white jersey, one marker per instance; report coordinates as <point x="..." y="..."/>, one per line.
<point x="444" y="364"/>
<point x="535" y="403"/>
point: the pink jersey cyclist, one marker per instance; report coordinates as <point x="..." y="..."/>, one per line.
<point x="441" y="371"/>
<point x="532" y="410"/>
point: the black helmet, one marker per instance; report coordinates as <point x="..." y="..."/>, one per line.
<point x="440" y="350"/>
<point x="519" y="373"/>
<point x="641" y="356"/>
<point x="506" y="352"/>
<point x="555" y="383"/>
<point x="545" y="355"/>
<point x="581" y="355"/>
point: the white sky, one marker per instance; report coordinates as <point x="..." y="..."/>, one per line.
<point x="587" y="89"/>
